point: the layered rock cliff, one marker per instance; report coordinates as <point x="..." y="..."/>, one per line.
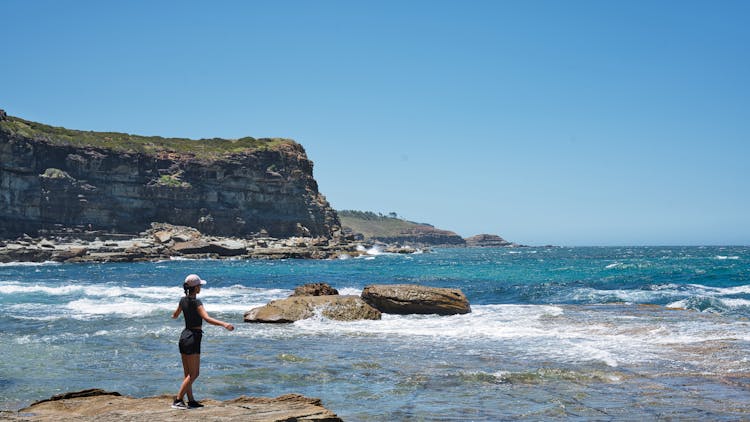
<point x="53" y="178"/>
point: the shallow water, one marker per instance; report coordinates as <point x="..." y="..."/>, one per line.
<point x="553" y="333"/>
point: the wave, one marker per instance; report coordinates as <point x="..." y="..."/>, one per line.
<point x="612" y="336"/>
<point x="85" y="301"/>
<point x="671" y="295"/>
<point x="567" y="333"/>
<point x="488" y="322"/>
<point x="83" y="308"/>
<point x="29" y="264"/>
<point x="711" y="304"/>
<point x="156" y="292"/>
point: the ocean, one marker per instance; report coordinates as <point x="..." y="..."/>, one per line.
<point x="618" y="333"/>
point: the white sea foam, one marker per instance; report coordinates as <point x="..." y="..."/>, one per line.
<point x="719" y="304"/>
<point x="722" y="291"/>
<point x="725" y="257"/>
<point x="375" y="250"/>
<point x="490" y="321"/>
<point x="350" y="291"/>
<point x="529" y="326"/>
<point x="16" y="288"/>
<point x="28" y="264"/>
<point x="542" y="331"/>
<point x="84" y="308"/>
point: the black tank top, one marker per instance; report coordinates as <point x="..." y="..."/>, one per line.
<point x="189" y="307"/>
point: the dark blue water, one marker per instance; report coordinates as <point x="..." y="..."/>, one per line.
<point x="603" y="333"/>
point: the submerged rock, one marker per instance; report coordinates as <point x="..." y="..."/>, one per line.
<point x="295" y="308"/>
<point x="415" y="299"/>
<point x="98" y="405"/>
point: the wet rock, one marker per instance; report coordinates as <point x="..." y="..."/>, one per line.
<point x="415" y="299"/>
<point x="25" y="255"/>
<point x="400" y="249"/>
<point x="202" y="247"/>
<point x="69" y="253"/>
<point x="295" y="308"/>
<point x="98" y="405"/>
<point x="315" y="289"/>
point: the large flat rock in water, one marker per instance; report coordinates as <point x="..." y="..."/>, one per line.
<point x="295" y="308"/>
<point x="97" y="405"/>
<point x="415" y="299"/>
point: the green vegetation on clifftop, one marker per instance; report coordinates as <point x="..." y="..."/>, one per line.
<point x="202" y="148"/>
<point x="390" y="228"/>
<point x="376" y="225"/>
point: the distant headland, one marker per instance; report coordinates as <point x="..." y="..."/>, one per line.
<point x="369" y="226"/>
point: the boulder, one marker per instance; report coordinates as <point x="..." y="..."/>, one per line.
<point x="203" y="247"/>
<point x="163" y="236"/>
<point x="315" y="289"/>
<point x="415" y="299"/>
<point x="70" y="253"/>
<point x="295" y="308"/>
<point x="98" y="405"/>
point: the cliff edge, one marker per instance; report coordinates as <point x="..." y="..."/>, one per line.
<point x="54" y="178"/>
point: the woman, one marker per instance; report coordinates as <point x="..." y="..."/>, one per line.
<point x="190" y="339"/>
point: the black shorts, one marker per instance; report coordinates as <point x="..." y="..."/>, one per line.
<point x="190" y="342"/>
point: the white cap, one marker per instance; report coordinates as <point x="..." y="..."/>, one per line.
<point x="193" y="280"/>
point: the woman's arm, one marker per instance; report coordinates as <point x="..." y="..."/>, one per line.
<point x="202" y="312"/>
<point x="177" y="311"/>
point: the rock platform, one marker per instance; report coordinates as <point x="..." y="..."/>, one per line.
<point x="164" y="241"/>
<point x="103" y="406"/>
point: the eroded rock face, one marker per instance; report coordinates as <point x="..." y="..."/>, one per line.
<point x="415" y="299"/>
<point x="48" y="185"/>
<point x="98" y="405"/>
<point x="295" y="308"/>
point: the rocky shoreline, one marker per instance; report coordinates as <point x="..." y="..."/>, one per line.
<point x="164" y="241"/>
<point x="320" y="298"/>
<point x="100" y="405"/>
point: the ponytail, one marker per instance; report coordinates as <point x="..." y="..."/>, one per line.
<point x="188" y="289"/>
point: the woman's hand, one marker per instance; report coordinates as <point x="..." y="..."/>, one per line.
<point x="229" y="327"/>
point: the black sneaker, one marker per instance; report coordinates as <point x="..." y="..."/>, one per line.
<point x="192" y="404"/>
<point x="179" y="404"/>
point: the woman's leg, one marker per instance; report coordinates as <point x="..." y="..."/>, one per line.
<point x="191" y="367"/>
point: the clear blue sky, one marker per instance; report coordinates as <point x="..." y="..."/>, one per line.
<point x="547" y="122"/>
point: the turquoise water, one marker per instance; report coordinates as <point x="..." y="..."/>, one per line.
<point x="592" y="333"/>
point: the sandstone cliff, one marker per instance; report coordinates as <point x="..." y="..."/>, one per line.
<point x="53" y="178"/>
